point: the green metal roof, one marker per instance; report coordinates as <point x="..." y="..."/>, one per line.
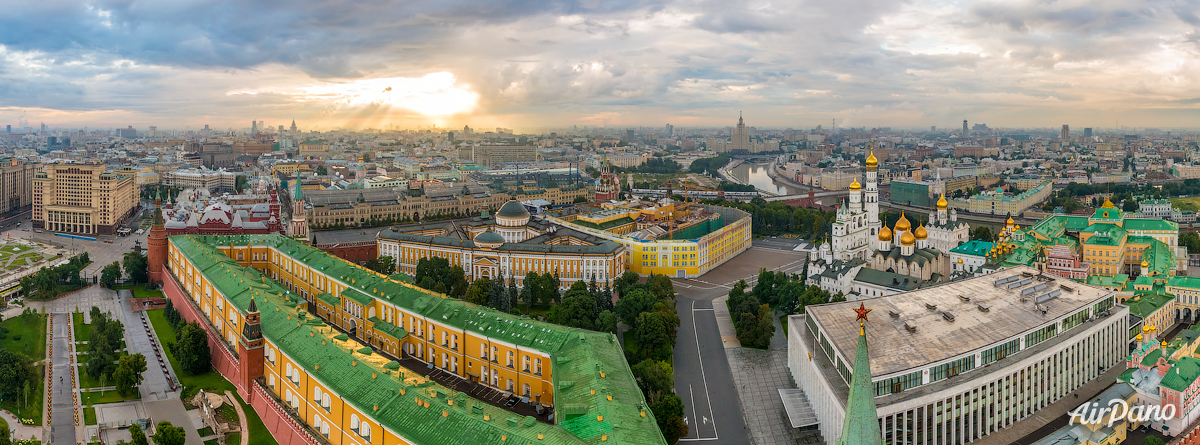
<point x="1151" y="224"/>
<point x="1182" y="373"/>
<point x="578" y="357"/>
<point x="607" y="224"/>
<point x="973" y="247"/>
<point x="512" y="209"/>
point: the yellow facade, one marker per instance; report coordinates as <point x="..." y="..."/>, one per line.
<point x="679" y="258"/>
<point x="507" y="367"/>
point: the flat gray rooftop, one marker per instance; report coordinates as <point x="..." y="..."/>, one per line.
<point x="895" y="348"/>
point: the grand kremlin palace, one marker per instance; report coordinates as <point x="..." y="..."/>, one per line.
<point x="679" y="239"/>
<point x="954" y="363"/>
<point x="312" y="341"/>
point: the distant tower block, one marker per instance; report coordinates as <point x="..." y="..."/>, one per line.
<point x="966" y="131"/>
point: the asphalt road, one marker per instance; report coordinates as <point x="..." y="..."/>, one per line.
<point x="101" y="252"/>
<point x="702" y="374"/>
<point x="62" y="405"/>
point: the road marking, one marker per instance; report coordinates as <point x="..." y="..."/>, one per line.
<point x="707" y="395"/>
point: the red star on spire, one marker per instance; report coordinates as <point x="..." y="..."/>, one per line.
<point x="862" y="312"/>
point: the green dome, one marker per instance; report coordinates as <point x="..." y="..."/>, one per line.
<point x="489" y="237"/>
<point x="512" y="209"/>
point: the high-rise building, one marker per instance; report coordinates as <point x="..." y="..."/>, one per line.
<point x="629" y="135"/>
<point x="16" y="184"/>
<point x="128" y="133"/>
<point x="253" y="127"/>
<point x="1066" y="132"/>
<point x="670" y="130"/>
<point x="8" y="128"/>
<point x="966" y="132"/>
<point x="43" y="127"/>
<point x="933" y="128"/>
<point x="293" y="125"/>
<point x="1087" y="132"/>
<point x="82" y="198"/>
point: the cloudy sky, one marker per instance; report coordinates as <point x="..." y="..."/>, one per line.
<point x="533" y="64"/>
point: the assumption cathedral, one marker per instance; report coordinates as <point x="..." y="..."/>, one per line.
<point x="864" y="258"/>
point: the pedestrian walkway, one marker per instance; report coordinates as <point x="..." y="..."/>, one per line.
<point x="19" y="431"/>
<point x="172" y="410"/>
<point x="243" y="423"/>
<point x="62" y="386"/>
<point x="725" y="323"/>
<point x="138" y="340"/>
<point x="758" y="376"/>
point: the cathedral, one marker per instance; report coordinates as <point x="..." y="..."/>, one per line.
<point x="914" y="258"/>
<point x="945" y="231"/>
<point x="857" y="223"/>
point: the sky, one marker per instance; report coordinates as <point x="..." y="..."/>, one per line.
<point x="530" y="64"/>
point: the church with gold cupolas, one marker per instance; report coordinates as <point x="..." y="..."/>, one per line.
<point x="945" y="230"/>
<point x="911" y="256"/>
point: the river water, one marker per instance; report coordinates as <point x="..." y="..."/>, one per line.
<point x="756" y="175"/>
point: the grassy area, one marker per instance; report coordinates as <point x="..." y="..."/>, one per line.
<point x="211" y="442"/>
<point x="26" y="336"/>
<point x="33" y="410"/>
<point x="3" y="425"/>
<point x="96" y="398"/>
<point x="210" y="381"/>
<point x="17" y="262"/>
<point x="1187" y="204"/>
<point x="205" y="432"/>
<point x="234" y="438"/>
<point x="140" y="291"/>
<point x="89" y="415"/>
<point x="82" y="330"/>
<point x="783" y="321"/>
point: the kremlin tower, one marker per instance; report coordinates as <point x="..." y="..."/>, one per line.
<point x="609" y="187"/>
<point x="156" y="252"/>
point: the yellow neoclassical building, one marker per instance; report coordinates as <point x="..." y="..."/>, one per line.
<point x="678" y="239"/>
<point x="360" y="358"/>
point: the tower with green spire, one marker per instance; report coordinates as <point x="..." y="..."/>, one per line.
<point x="862" y="421"/>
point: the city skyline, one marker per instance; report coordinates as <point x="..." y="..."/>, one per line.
<point x="517" y="65"/>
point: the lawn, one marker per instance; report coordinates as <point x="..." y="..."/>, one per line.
<point x="205" y="432"/>
<point x="82" y="330"/>
<point x="96" y="398"/>
<point x="89" y="415"/>
<point x="1187" y="204"/>
<point x="210" y="381"/>
<point x="140" y="291"/>
<point x="26" y="335"/>
<point x="17" y="262"/>
<point x="783" y="321"/>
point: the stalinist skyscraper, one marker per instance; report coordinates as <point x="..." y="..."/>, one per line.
<point x="740" y="139"/>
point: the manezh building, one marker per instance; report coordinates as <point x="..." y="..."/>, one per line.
<point x="508" y="245"/>
<point x="954" y="363"/>
<point x="330" y="353"/>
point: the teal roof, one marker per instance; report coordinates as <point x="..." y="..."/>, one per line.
<point x="489" y="237"/>
<point x="512" y="209"/>
<point x="1182" y="373"/>
<point x="578" y="357"/>
<point x="1106" y="234"/>
<point x="1142" y="305"/>
<point x="1151" y="224"/>
<point x="1107" y="213"/>
<point x="973" y="247"/>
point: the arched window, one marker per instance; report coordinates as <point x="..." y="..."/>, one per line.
<point x="316" y="394"/>
<point x="365" y="432"/>
<point x="325" y="401"/>
<point x="354" y="422"/>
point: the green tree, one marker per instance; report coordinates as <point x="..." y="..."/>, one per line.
<point x="110" y="274"/>
<point x="579" y="199"/>
<point x="497" y="295"/>
<point x="1191" y="240"/>
<point x="532" y="288"/>
<point x="653" y="376"/>
<point x="128" y="374"/>
<point x="135" y="266"/>
<point x="661" y="287"/>
<point x="633" y="304"/>
<point x="1129" y="205"/>
<point x="577" y="310"/>
<point x="478" y="292"/>
<point x="4" y="437"/>
<point x="982" y="233"/>
<point x="191" y="349"/>
<point x="1153" y="440"/>
<point x="668" y="413"/>
<point x="754" y="325"/>
<point x="167" y="434"/>
<point x="321" y="170"/>
<point x="607" y="322"/>
<point x="137" y="437"/>
<point x="653" y="336"/>
<point x="625" y="282"/>
<point x="385" y="265"/>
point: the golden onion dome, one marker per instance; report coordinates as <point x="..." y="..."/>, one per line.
<point x="908" y="239"/>
<point x="903" y="225"/>
<point x="1153" y="328"/>
<point x="885" y="234"/>
<point x="871" y="161"/>
<point x="960" y="261"/>
<point x="1011" y="222"/>
<point x="1145" y="329"/>
<point x="855" y="186"/>
<point x="941" y="203"/>
<point x="921" y="233"/>
<point x="1145" y="264"/>
<point x="1108" y="203"/>
<point x="1139" y="337"/>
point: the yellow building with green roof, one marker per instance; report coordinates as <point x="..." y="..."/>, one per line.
<point x="329" y="352"/>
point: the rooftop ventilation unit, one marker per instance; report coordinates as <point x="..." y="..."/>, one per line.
<point x="948" y="316"/>
<point x="982" y="307"/>
<point x="909" y="326"/>
<point x="1025" y="292"/>
<point x="1048" y="296"/>
<point x="1004" y="281"/>
<point x="1066" y="288"/>
<point x="1026" y="274"/>
<point x="894" y="314"/>
<point x="1020" y="283"/>
<point x="964" y="298"/>
<point x="932" y="307"/>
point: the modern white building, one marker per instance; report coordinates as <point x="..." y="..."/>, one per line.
<point x="953" y="363"/>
